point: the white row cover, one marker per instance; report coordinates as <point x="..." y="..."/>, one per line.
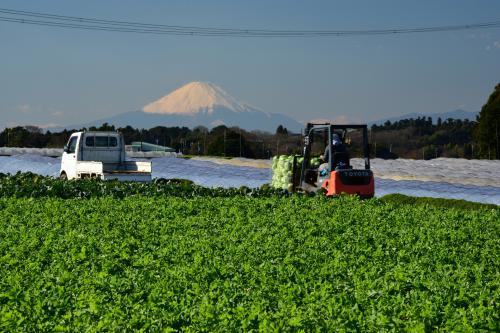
<point x="55" y="152"/>
<point x="473" y="180"/>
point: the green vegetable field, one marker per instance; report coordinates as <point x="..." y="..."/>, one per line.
<point x="241" y="262"/>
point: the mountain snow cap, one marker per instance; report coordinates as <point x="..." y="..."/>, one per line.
<point x="193" y="98"/>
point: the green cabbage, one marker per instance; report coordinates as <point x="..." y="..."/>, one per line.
<point x="282" y="167"/>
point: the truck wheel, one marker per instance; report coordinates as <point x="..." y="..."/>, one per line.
<point x="63" y="176"/>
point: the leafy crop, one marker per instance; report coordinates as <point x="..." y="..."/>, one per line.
<point x="436" y="202"/>
<point x="241" y="263"/>
<point x="30" y="185"/>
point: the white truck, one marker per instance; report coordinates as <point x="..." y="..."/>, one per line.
<point x="100" y="155"/>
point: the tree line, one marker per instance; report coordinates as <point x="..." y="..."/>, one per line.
<point x="418" y="138"/>
<point x="422" y="138"/>
<point x="218" y="141"/>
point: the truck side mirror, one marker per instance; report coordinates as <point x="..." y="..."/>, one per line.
<point x="65" y="149"/>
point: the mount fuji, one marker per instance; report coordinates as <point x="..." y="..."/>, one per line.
<point x="200" y="103"/>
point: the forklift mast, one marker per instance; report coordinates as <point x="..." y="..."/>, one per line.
<point x="306" y="152"/>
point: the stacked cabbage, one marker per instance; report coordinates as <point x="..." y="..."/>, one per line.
<point x="282" y="170"/>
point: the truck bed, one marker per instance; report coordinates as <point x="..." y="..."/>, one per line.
<point x="127" y="167"/>
<point x="124" y="171"/>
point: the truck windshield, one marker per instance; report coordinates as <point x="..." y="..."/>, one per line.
<point x="72" y="145"/>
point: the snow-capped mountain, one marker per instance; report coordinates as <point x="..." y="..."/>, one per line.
<point x="193" y="98"/>
<point x="200" y="103"/>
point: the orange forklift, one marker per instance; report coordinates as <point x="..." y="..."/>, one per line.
<point x="336" y="175"/>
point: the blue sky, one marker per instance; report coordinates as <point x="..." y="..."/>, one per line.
<point x="56" y="76"/>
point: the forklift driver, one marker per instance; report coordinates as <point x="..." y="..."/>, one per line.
<point x="337" y="147"/>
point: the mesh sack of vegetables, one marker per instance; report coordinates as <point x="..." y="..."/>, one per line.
<point x="282" y="168"/>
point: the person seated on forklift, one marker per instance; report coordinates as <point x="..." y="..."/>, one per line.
<point x="337" y="147"/>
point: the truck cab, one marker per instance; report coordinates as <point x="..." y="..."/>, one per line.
<point x="100" y="155"/>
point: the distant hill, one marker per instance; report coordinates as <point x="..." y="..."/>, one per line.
<point x="199" y="103"/>
<point x="457" y="114"/>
